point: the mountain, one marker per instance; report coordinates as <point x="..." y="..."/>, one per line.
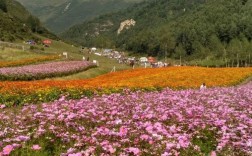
<point x="59" y="15"/>
<point x="192" y="29"/>
<point x="16" y="23"/>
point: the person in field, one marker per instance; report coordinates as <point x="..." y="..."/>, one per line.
<point x="203" y="86"/>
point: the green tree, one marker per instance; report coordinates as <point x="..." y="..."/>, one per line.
<point x="179" y="52"/>
<point x="215" y="46"/>
<point x="233" y="51"/>
<point x="33" y="23"/>
<point x="167" y="42"/>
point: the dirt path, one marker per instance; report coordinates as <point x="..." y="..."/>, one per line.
<point x="245" y="81"/>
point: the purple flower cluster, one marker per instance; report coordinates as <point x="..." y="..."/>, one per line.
<point x="158" y="123"/>
<point x="39" y="71"/>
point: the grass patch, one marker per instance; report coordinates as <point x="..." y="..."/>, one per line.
<point x="11" y="54"/>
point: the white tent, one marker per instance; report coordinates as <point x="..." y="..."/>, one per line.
<point x="143" y="59"/>
<point x="93" y="49"/>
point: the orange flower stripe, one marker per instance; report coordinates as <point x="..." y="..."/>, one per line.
<point x="173" y="77"/>
<point x="28" y="61"/>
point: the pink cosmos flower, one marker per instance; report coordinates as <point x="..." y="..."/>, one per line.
<point x="166" y="154"/>
<point x="111" y="149"/>
<point x="7" y="149"/>
<point x="16" y="145"/>
<point x="36" y="147"/>
<point x="149" y="128"/>
<point x="134" y="150"/>
<point x="144" y="137"/>
<point x="62" y="98"/>
<point x="2" y="106"/>
<point x="123" y="131"/>
<point x="213" y="153"/>
<point x="23" y="138"/>
<point x="71" y="150"/>
<point x="170" y="145"/>
<point x="75" y="154"/>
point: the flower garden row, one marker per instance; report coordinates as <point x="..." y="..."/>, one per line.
<point x="215" y="121"/>
<point x="28" y="61"/>
<point x="19" y="92"/>
<point x="46" y="70"/>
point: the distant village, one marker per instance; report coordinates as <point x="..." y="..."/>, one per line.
<point x="122" y="58"/>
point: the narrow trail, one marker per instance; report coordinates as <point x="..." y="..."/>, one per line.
<point x="247" y="80"/>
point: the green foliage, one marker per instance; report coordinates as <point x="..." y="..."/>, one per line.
<point x="206" y="140"/>
<point x="190" y="151"/>
<point x="50" y="145"/>
<point x="34" y="23"/>
<point x="16" y="23"/>
<point x="3" y="6"/>
<point x="231" y="151"/>
<point x="192" y="30"/>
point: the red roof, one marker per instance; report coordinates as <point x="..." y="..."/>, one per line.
<point x="151" y="59"/>
<point x="47" y="41"/>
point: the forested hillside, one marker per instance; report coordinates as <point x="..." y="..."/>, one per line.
<point x="59" y="15"/>
<point x="192" y="29"/>
<point x="16" y="23"/>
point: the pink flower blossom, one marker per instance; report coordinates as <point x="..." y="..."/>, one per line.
<point x="36" y="147"/>
<point x="7" y="149"/>
<point x="213" y="153"/>
<point x="144" y="137"/>
<point x="23" y="138"/>
<point x="123" y="131"/>
<point x="2" y="106"/>
<point x="134" y="150"/>
<point x="75" y="154"/>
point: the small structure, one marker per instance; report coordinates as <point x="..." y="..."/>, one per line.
<point x="47" y="42"/>
<point x="143" y="59"/>
<point x="96" y="62"/>
<point x="151" y="60"/>
<point x="65" y="54"/>
<point x="107" y="52"/>
<point x="93" y="49"/>
<point x="31" y="42"/>
<point x="98" y="54"/>
<point x="130" y="59"/>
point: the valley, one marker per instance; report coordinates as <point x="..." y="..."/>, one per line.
<point x="127" y="78"/>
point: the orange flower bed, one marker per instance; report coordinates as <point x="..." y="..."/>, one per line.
<point x="27" y="61"/>
<point x="21" y="92"/>
<point x="173" y="77"/>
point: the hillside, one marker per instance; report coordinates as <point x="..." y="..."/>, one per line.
<point x="16" y="23"/>
<point x="193" y="29"/>
<point x="59" y="15"/>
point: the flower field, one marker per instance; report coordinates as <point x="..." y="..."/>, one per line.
<point x="215" y="121"/>
<point x="28" y="61"/>
<point x="40" y="71"/>
<point x="19" y="92"/>
<point x="173" y="77"/>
